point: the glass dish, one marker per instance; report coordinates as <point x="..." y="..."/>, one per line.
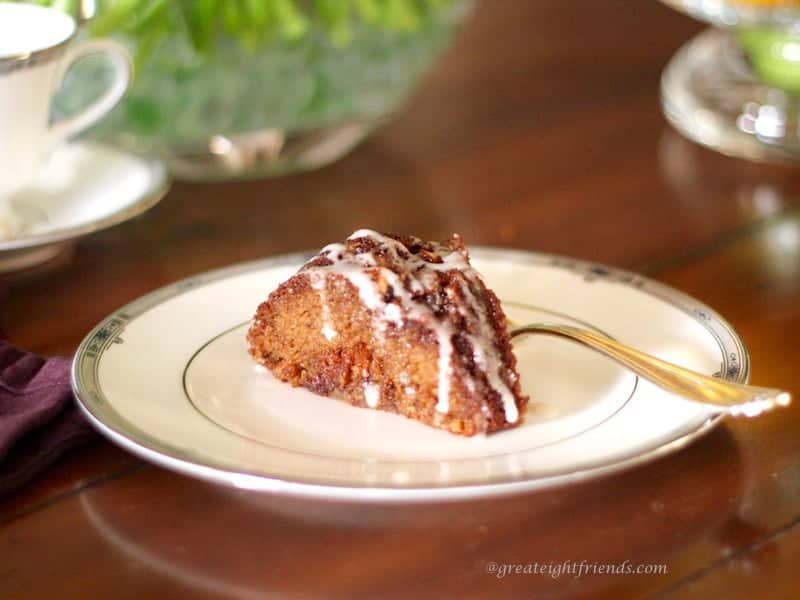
<point x="267" y="94"/>
<point x="736" y="87"/>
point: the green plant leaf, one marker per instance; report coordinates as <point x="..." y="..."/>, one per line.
<point x="114" y="17"/>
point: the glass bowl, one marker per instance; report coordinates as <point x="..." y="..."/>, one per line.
<point x="736" y="87"/>
<point x="220" y="98"/>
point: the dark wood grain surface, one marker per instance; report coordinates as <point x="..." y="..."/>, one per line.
<point x="541" y="130"/>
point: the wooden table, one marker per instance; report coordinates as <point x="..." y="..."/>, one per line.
<point x="540" y="129"/>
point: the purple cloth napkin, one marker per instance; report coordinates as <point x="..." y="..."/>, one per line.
<point x="39" y="420"/>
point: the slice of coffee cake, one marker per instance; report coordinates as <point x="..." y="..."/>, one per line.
<point x="391" y="322"/>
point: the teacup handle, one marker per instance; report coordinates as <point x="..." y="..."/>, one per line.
<point x="123" y="73"/>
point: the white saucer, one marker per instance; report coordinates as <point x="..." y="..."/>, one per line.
<point x="168" y="377"/>
<point x="83" y="187"/>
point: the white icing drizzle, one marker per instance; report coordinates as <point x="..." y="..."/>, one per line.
<point x="372" y="394"/>
<point x="318" y="283"/>
<point x="445" y="372"/>
<point x="490" y="362"/>
<point x="362" y="271"/>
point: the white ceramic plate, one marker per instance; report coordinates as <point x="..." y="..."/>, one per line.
<point x="82" y="188"/>
<point x="168" y="377"/>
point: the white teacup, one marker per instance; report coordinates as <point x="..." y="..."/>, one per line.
<point x="36" y="50"/>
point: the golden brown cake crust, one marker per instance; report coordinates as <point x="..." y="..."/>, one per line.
<point x="394" y="323"/>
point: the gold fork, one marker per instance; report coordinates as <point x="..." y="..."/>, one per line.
<point x="736" y="399"/>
